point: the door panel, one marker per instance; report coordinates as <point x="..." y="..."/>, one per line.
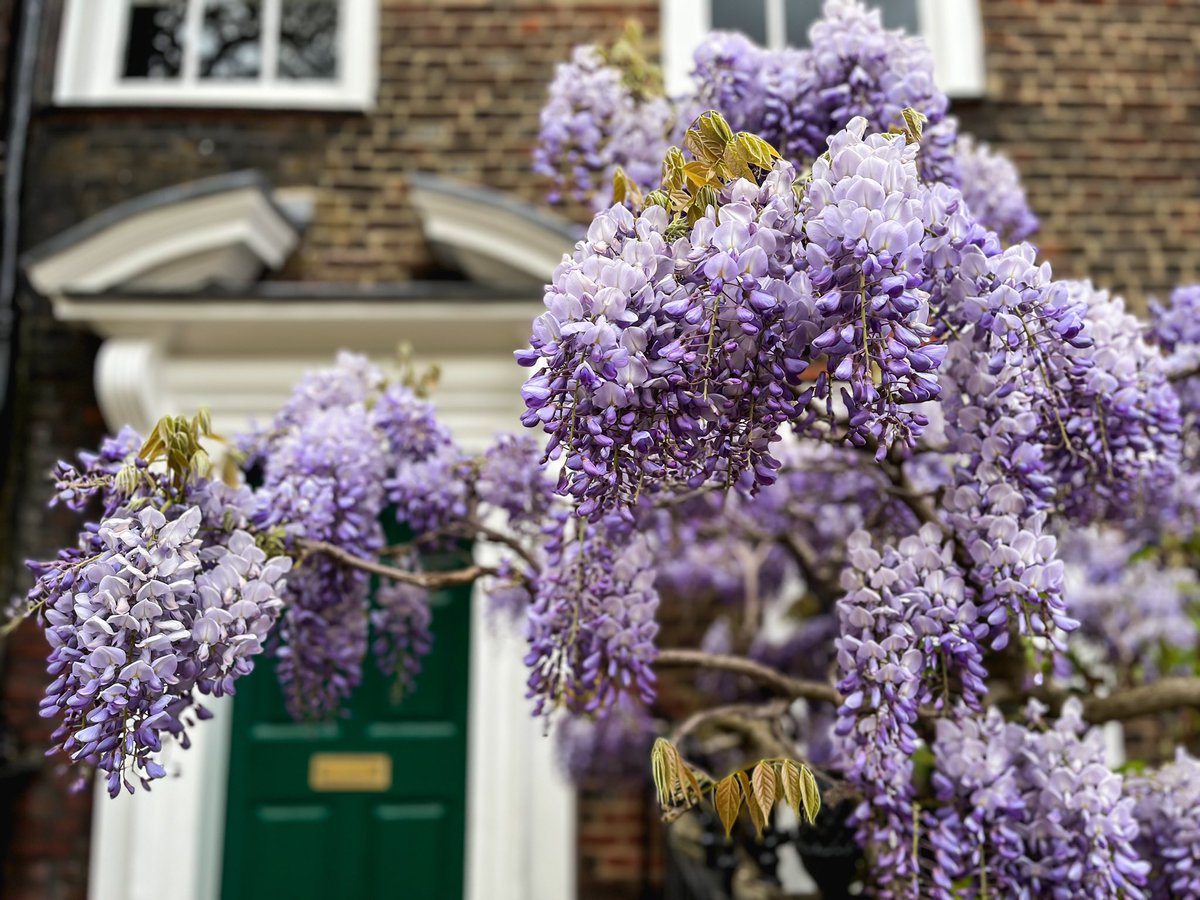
<point x="403" y="840"/>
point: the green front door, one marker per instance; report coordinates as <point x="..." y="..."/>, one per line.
<point x="370" y="806"/>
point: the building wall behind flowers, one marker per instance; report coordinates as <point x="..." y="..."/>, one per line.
<point x="1097" y="102"/>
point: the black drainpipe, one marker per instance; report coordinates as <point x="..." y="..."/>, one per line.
<point x="28" y="15"/>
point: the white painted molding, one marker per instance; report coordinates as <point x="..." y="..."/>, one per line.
<point x="487" y="236"/>
<point x="127" y="382"/>
<point x="223" y="238"/>
<point x="954" y="30"/>
<point x="684" y="25"/>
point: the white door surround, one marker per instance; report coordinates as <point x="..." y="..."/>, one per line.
<point x="169" y="348"/>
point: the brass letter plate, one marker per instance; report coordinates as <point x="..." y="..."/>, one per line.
<point x="350" y="772"/>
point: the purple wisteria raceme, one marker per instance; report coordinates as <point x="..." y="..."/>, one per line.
<point x="1130" y="609"/>
<point x="996" y="503"/>
<point x="95" y="473"/>
<point x="1078" y="827"/>
<point x="353" y="379"/>
<point x="409" y="424"/>
<point x="1165" y="806"/>
<point x="511" y="480"/>
<point x="1126" y="441"/>
<point x="668" y="362"/>
<point x="909" y="637"/>
<point x="863" y="219"/>
<point x="323" y="481"/>
<point x="591" y="627"/>
<point x="1031" y="810"/>
<point x="993" y="190"/>
<point x="593" y="123"/>
<point x="400" y="622"/>
<point x="139" y="621"/>
<point x="855" y="68"/>
<point x="973" y="832"/>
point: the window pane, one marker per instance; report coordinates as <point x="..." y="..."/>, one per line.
<point x="308" y="39"/>
<point x="747" y="16"/>
<point x="154" y="42"/>
<point x="231" y="39"/>
<point x="802" y="13"/>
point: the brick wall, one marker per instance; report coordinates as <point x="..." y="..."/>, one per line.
<point x="56" y="412"/>
<point x="1098" y="102"/>
<point x="460" y="87"/>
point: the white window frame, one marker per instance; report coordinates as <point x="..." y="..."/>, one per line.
<point x="92" y="47"/>
<point x="953" y="28"/>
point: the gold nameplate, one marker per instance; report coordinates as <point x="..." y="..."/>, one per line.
<point x="350" y="772"/>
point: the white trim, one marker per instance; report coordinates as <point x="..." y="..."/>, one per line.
<point x="776" y="22"/>
<point x="233" y="234"/>
<point x="87" y="71"/>
<point x="953" y="28"/>
<point x="684" y="25"/>
<point x="491" y="242"/>
<point x="240" y="357"/>
<point x="511" y="772"/>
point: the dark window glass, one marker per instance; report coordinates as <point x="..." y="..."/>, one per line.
<point x="802" y="13"/>
<point x="747" y="16"/>
<point x="308" y="39"/>
<point x="231" y="39"/>
<point x="154" y="42"/>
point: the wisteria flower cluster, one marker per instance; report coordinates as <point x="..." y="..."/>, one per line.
<point x="140" y="620"/>
<point x="923" y="507"/>
<point x="1031" y="809"/>
<point x="602" y="115"/>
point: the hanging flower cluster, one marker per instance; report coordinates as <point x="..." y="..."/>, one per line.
<point x="816" y="394"/>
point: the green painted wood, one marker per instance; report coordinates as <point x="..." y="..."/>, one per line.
<point x="283" y="840"/>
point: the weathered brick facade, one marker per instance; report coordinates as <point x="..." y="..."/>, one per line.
<point x="1098" y="102"/>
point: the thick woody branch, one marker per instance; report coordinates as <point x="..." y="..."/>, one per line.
<point x="1165" y="695"/>
<point x="796" y="688"/>
<point x="467" y="575"/>
<point x="1184" y="374"/>
<point x="718" y="714"/>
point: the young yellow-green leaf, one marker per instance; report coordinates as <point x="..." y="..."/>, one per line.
<point x="809" y="793"/>
<point x="625" y="190"/>
<point x="673" y="177"/>
<point x="752" y="807"/>
<point x="735" y="161"/>
<point x="698" y="173"/>
<point x="763" y="779"/>
<point x="705" y="197"/>
<point x="708" y="136"/>
<point x="789" y="775"/>
<point x="658" y="198"/>
<point x="727" y="798"/>
<point x="689" y="785"/>
<point x="662" y="762"/>
<point x="757" y="151"/>
<point x="913" y="124"/>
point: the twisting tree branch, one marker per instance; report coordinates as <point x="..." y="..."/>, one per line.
<point x="1185" y="373"/>
<point x="795" y="688"/>
<point x="467" y="575"/>
<point x="717" y="714"/>
<point x="1164" y="695"/>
